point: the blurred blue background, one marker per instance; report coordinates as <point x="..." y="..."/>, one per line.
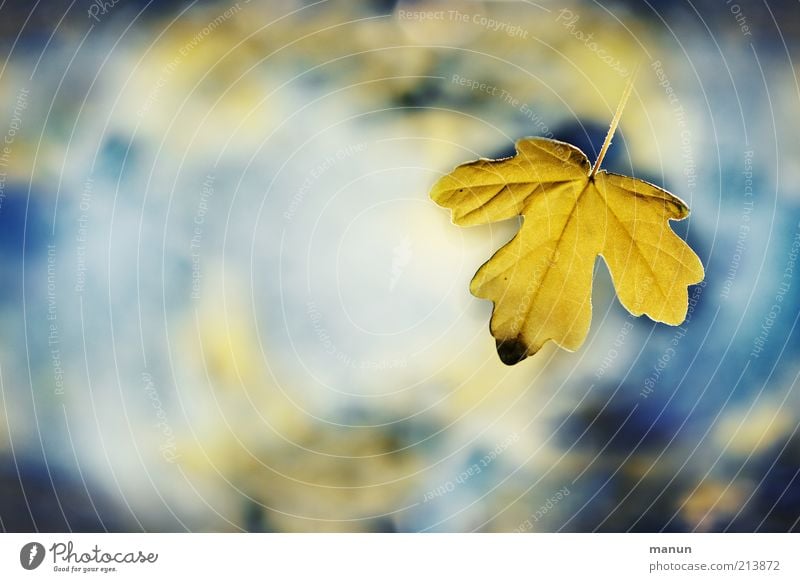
<point x="227" y="303"/>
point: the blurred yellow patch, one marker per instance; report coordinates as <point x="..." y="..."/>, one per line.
<point x="754" y="432"/>
<point x="710" y="503"/>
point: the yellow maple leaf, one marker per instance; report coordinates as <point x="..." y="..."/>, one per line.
<point x="541" y="281"/>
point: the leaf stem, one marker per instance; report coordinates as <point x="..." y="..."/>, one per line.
<point x="614" y="122"/>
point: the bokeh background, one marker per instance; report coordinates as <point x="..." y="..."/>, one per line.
<point x="227" y="303"/>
